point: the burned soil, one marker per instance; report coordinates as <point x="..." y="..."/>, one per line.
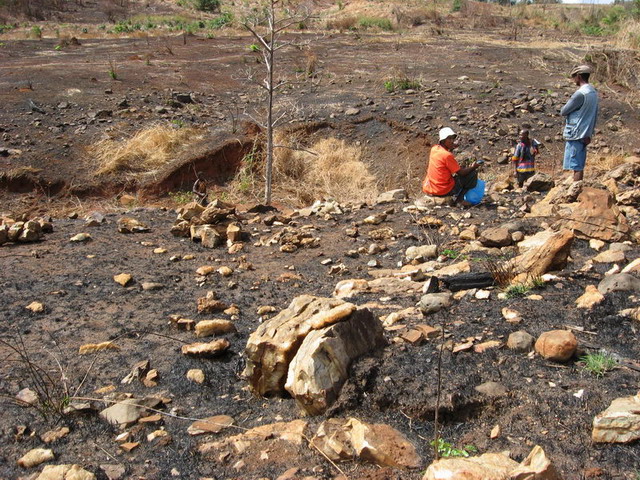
<point x="59" y="102"/>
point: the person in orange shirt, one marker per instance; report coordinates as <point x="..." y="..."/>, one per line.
<point x="444" y="175"/>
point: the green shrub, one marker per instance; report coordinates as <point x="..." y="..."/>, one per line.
<point x="456" y="6"/>
<point x="375" y="22"/>
<point x="446" y="449"/>
<point x="201" y="5"/>
<point x="401" y="83"/>
<point x="224" y="19"/>
<point x="6" y="28"/>
<point x="36" y="32"/>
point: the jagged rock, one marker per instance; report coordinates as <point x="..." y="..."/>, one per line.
<point x="114" y="471"/>
<point x="630" y="197"/>
<point x="35" y="457"/>
<point x="65" y="472"/>
<point x="320" y="367"/>
<point x="196" y="375"/>
<point x="556" y="345"/>
<point x="213" y="424"/>
<point x="520" y="341"/>
<point x="496" y="237"/>
<point x="421" y="253"/>
<point x="207" y="328"/>
<point x="210" y="303"/>
<point x="259" y="438"/>
<point x="273" y="345"/>
<point x="211" y="349"/>
<point x="348" y="288"/>
<point x="610" y="256"/>
<point x="216" y="212"/>
<point x="31" y="232"/>
<point x="342" y="440"/>
<point x="620" y="282"/>
<point x="511" y="316"/>
<point x="181" y="229"/>
<point x="626" y="173"/>
<point x="131" y="225"/>
<point x="632" y="267"/>
<point x="596" y="216"/>
<point x="54" y="435"/>
<point x="207" y="235"/>
<point x="590" y="298"/>
<point x="434" y="302"/>
<point x="619" y="423"/>
<point x="14" y="231"/>
<point x="382" y="445"/>
<point x="470" y="233"/>
<point x="392" y="196"/>
<point x="550" y="256"/>
<point x="564" y="193"/>
<point x="97" y="347"/>
<point x="125" y="412"/>
<point x="4" y="234"/>
<point x="234" y="233"/>
<point x="535" y="467"/>
<point x="333" y="439"/>
<point x="123" y="279"/>
<point x="490" y="466"/>
<point x="540" y="182"/>
<point x="81" y="237"/>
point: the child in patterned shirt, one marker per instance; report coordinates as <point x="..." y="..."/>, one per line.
<point x="524" y="157"/>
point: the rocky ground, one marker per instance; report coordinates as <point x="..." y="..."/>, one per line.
<point x="103" y="302"/>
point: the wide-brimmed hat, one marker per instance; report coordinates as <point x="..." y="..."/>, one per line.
<point x="580" y="69"/>
<point x="446" y="132"/>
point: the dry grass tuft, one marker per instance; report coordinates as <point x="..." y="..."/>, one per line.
<point x="503" y="272"/>
<point x="629" y="35"/>
<point x="620" y="67"/>
<point x="329" y="169"/>
<point x="605" y="163"/>
<point x="147" y="150"/>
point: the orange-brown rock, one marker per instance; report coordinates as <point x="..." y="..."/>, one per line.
<point x="556" y="345"/>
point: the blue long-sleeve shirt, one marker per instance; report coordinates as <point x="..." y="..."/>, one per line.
<point x="581" y="111"/>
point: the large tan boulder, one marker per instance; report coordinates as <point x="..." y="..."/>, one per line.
<point x="620" y="423"/>
<point x="273" y="345"/>
<point x="596" y="216"/>
<point x="490" y="466"/>
<point x="549" y="256"/>
<point x="556" y="345"/>
<point x="320" y="366"/>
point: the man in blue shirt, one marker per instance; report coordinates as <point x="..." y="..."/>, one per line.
<point x="581" y="111"/>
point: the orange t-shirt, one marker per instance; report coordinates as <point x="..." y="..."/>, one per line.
<point x="442" y="165"/>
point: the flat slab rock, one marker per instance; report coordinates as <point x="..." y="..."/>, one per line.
<point x="342" y="440"/>
<point x="620" y="423"/>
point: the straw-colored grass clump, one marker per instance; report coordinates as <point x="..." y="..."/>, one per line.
<point x="147" y="150"/>
<point x="335" y="171"/>
<point x="329" y="169"/>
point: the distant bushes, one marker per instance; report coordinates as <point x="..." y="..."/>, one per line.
<point x="202" y="5"/>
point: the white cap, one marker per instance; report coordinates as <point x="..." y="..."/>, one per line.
<point x="446" y="132"/>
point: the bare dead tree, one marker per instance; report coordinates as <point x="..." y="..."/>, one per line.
<point x="267" y="24"/>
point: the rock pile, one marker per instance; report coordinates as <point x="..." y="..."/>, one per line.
<point x="13" y="231"/>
